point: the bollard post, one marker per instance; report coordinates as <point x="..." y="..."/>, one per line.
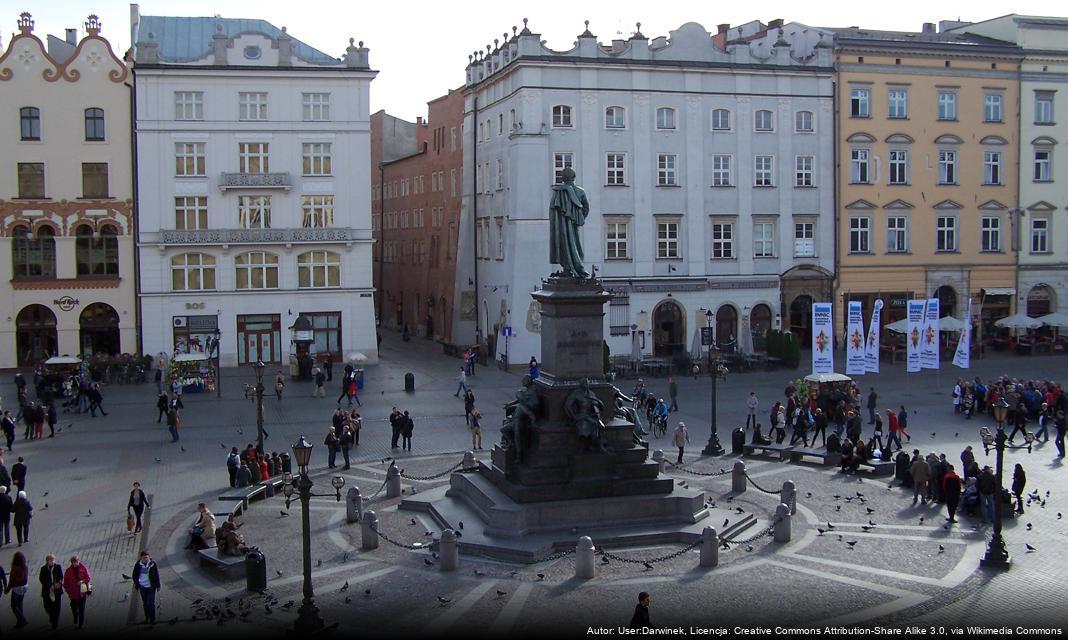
<point x="353" y="505"/>
<point x="782" y="524"/>
<point x="450" y="551"/>
<point x="709" y="547"/>
<point x="738" y="477"/>
<point x="658" y="457"/>
<point x="368" y="535"/>
<point x="584" y="566"/>
<point x="789" y="496"/>
<point x="393" y="481"/>
<point x="470" y="463"/>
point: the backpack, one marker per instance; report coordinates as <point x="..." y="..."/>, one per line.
<point x="232" y="461"/>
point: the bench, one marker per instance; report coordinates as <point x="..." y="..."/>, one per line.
<point x="783" y="450"/>
<point x="223" y="509"/>
<point x="826" y="457"/>
<point x="879" y="467"/>
<point x="244" y="494"/>
<point x="225" y="562"/>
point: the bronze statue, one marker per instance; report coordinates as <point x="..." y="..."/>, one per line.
<point x="519" y="416"/>
<point x="567" y="213"/>
<point x="584" y="408"/>
<point x="625" y="410"/>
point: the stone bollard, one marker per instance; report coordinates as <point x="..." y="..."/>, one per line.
<point x="353" y="505"/>
<point x="658" y="457"/>
<point x="469" y="463"/>
<point x="450" y="551"/>
<point x="709" y="547"/>
<point x="789" y="496"/>
<point x="782" y="524"/>
<point x="584" y="566"/>
<point x="368" y="535"/>
<point x="738" y="478"/>
<point x="393" y="481"/>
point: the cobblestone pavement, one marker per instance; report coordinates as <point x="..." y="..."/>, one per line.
<point x="902" y="571"/>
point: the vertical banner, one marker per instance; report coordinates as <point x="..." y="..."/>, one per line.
<point x="929" y="341"/>
<point x="855" y="362"/>
<point x="963" y="357"/>
<point x="822" y="338"/>
<point x="912" y="337"/>
<point x="871" y="345"/>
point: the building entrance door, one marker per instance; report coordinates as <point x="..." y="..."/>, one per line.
<point x="259" y="338"/>
<point x="36" y="337"/>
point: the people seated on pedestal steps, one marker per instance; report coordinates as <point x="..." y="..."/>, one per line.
<point x="228" y="541"/>
<point x="759" y="438"/>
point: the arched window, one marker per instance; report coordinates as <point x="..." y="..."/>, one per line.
<point x="30" y="123"/>
<point x="97" y="255"/>
<point x="727" y="328"/>
<point x="947" y="300"/>
<point x="561" y="115"/>
<point x="615" y="118"/>
<point x="665" y="118"/>
<point x="94" y="124"/>
<point x="33" y="257"/>
<point x="759" y="324"/>
<point x="765" y="120"/>
<point x="803" y="122"/>
<point x="257" y="270"/>
<point x="193" y="272"/>
<point x="721" y="120"/>
<point x="318" y="269"/>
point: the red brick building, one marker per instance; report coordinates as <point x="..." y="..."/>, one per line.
<point x="416" y="186"/>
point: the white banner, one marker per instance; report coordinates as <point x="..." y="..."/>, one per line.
<point x="963" y="357"/>
<point x="929" y="342"/>
<point x="855" y="365"/>
<point x="871" y="345"/>
<point x="822" y="338"/>
<point x="912" y="337"/>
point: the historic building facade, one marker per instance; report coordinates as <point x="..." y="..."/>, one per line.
<point x="253" y="175"/>
<point x="66" y="191"/>
<point x="708" y="159"/>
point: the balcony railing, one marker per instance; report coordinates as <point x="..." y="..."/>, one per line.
<point x="254" y="181"/>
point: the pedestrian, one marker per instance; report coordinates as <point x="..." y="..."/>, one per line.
<point x="640" y="619"/>
<point x="146" y="578"/>
<point x="1045" y="415"/>
<point x="162" y="403"/>
<point x="345" y="441"/>
<point x="819" y="422"/>
<point x="355" y="425"/>
<point x="52" y="418"/>
<point x="951" y="490"/>
<point x="328" y="366"/>
<point x="673" y="393"/>
<point x="243" y="477"/>
<point x="17" y="587"/>
<point x="895" y="431"/>
<point x="354" y="390"/>
<point x="331" y="443"/>
<point x="96" y="397"/>
<point x="136" y="505"/>
<point x="395" y="424"/>
<point x="28" y="412"/>
<point x="1020" y="423"/>
<point x="1019" y="482"/>
<point x="469" y="404"/>
<point x="1060" y="425"/>
<point x="958" y="395"/>
<point x="7" y="423"/>
<point x="920" y="472"/>
<point x="462" y="379"/>
<point x="51" y="578"/>
<point x="83" y="394"/>
<point x="320" y="380"/>
<point x="203" y="528"/>
<point x="751" y="405"/>
<point x="987" y="485"/>
<point x="18" y="474"/>
<point x="349" y="371"/>
<point x="233" y="461"/>
<point x="534" y="369"/>
<point x="78" y="584"/>
<point x="873" y="401"/>
<point x="22" y="513"/>
<point x="158" y="377"/>
<point x="476" y="429"/>
<point x="406" y="431"/>
<point x="680" y="439"/>
<point x="7" y="507"/>
<point x="174" y="420"/>
<point x="879" y="431"/>
<point x="800" y="426"/>
<point x="279" y="384"/>
<point x="967" y="459"/>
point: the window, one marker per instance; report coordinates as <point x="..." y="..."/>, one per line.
<point x="721" y="120"/>
<point x="899" y="166"/>
<point x="947" y="105"/>
<point x="665" y="170"/>
<point x="253" y="157"/>
<point x="1039" y="235"/>
<point x="252" y="106"/>
<point x="991" y="167"/>
<point x="512" y="121"/>
<point x="316" y="158"/>
<point x="94" y="124"/>
<point x="189" y="105"/>
<point x="615" y="167"/>
<point x="189" y="159"/>
<point x="992" y="108"/>
<point x="1043" y="107"/>
<point x="33" y="257"/>
<point x="615" y="118"/>
<point x="30" y="123"/>
<point x="317" y="212"/>
<point x="190" y="212"/>
<point x="990" y="239"/>
<point x="617" y="244"/>
<point x="803" y="122"/>
<point x="946" y="233"/>
<point x="500" y="174"/>
<point x="897" y="234"/>
<point x="665" y="118"/>
<point x="721" y="170"/>
<point x="722" y="240"/>
<point x="762" y="171"/>
<point x="254" y="212"/>
<point x="619" y="314"/>
<point x="764" y="240"/>
<point x="859" y="166"/>
<point x="667" y="239"/>
<point x="897" y="103"/>
<point x="315" y="107"/>
<point x="561" y="115"/>
<point x="318" y="269"/>
<point x="31" y="179"/>
<point x="860" y="235"/>
<point x="500" y="238"/>
<point x="947" y="167"/>
<point x="805" y="239"/>
<point x="257" y="270"/>
<point x="193" y="272"/>
<point x="803" y="171"/>
<point x="500" y="123"/>
<point x="97" y="255"/>
<point x="859" y="103"/>
<point x="94" y="179"/>
<point x="452" y="133"/>
<point x="1043" y="158"/>
<point x="452" y="183"/>
<point x="765" y="120"/>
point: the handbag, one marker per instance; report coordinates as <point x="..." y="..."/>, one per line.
<point x="85" y="588"/>
<point x="129" y="522"/>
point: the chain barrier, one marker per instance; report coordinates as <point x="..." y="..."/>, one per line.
<point x="436" y="475"/>
<point x="411" y="547"/>
<point x="721" y="472"/>
<point x="664" y="558"/>
<point x="766" y="532"/>
<point x="760" y="488"/>
<point x="373" y="495"/>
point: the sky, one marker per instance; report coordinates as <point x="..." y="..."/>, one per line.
<point x="421" y="48"/>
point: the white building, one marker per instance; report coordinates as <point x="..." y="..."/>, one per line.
<point x="708" y="160"/>
<point x="253" y="174"/>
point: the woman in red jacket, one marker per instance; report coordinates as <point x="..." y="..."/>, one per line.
<point x="16" y="586"/>
<point x="79" y="586"/>
<point x="895" y="431"/>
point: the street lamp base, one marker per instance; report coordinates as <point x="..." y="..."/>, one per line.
<point x="308" y="620"/>
<point x="997" y="557"/>
<point x="713" y="448"/>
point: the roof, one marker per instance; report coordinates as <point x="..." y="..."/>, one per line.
<point x="185" y="39"/>
<point x="926" y="40"/>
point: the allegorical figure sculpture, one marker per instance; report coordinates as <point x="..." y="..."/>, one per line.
<point x="584" y="408"/>
<point x="519" y="415"/>
<point x="567" y="213"/>
<point x="625" y="409"/>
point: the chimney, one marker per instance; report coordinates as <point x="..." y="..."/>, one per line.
<point x="72" y="36"/>
<point x="418" y="119"/>
<point x="775" y="24"/>
<point x="723" y="28"/>
<point x="928" y="27"/>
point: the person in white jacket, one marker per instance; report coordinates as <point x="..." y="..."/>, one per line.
<point x="681" y="438"/>
<point x="751" y="404"/>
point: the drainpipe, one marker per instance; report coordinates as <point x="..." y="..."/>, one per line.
<point x="381" y="233"/>
<point x="474" y="209"/>
<point x="834" y="194"/>
<point x="136" y="212"/>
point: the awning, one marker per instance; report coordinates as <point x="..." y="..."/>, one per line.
<point x="999" y="291"/>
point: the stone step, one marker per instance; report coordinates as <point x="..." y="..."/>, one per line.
<point x="568" y="474"/>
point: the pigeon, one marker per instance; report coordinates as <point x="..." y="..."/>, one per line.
<point x="461" y="524"/>
<point x="1030" y="549"/>
<point x="173" y="620"/>
<point x="1028" y="526"/>
<point x="283" y="513"/>
<point x="240" y="431"/>
<point x="839" y="537"/>
<point x="725" y="545"/>
<point x="604" y="560"/>
<point x="541" y="576"/>
<point x="125" y="597"/>
<point x="434" y="555"/>
<point x="345" y="587"/>
<point x="501" y="594"/>
<point x="428" y="562"/>
<point x="866" y="528"/>
<point x="1058" y="514"/>
<point x="648" y="567"/>
<point x="414" y="521"/>
<point x="444" y="601"/>
<point x="837" y="497"/>
<point x="90" y="513"/>
<point x="74" y="460"/>
<point x="822" y="531"/>
<point x="480" y="574"/>
<point x="158" y="461"/>
<point x="44" y="495"/>
<point x="941" y="549"/>
<point x="860" y="495"/>
<point x="46" y="505"/>
<point x="933" y="434"/>
<point x="288" y="604"/>
<point x="748" y="547"/>
<point x="348" y="600"/>
<point x="870" y="522"/>
<point x="869" y="510"/>
<point x="956" y="434"/>
<point x="182" y="448"/>
<point x="126" y="577"/>
<point x="277" y="572"/>
<point x="739" y="510"/>
<point x="851" y="543"/>
<point x="838" y="508"/>
<point x="367" y="593"/>
<point x="921" y="519"/>
<point x="267" y="609"/>
<point x="725" y="522"/>
<point x="1047" y="494"/>
<point x="830" y="527"/>
<point x="318" y="563"/>
<point x="222" y="445"/>
<point x="808" y="495"/>
<point x="428" y="533"/>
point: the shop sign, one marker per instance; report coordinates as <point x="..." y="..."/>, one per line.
<point x="66" y="303"/>
<point x="194" y="305"/>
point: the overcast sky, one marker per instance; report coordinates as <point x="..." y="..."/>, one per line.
<point x="420" y="48"/>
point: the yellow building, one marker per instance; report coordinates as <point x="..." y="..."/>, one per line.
<point x="927" y="128"/>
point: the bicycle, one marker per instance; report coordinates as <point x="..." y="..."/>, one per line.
<point x="659" y="426"/>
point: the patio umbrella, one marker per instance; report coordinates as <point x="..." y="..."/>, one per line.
<point x="635" y="346"/>
<point x="901" y="326"/>
<point x="1019" y="321"/>
<point x="1058" y="320"/>
<point x="827" y="377"/>
<point x="951" y="324"/>
<point x="695" y="348"/>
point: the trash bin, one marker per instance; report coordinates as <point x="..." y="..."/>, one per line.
<point x="255" y="571"/>
<point x="287" y="466"/>
<point x="409" y="382"/>
<point x="737" y="441"/>
<point x="359" y="378"/>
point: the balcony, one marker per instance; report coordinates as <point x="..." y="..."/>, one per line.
<point x="254" y="181"/>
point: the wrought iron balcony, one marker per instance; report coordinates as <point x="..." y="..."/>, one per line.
<point x="254" y="181"/>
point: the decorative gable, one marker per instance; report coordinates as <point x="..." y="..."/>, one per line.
<point x="992" y="205"/>
<point x="949" y="204"/>
<point x="900" y="138"/>
<point x="948" y="138"/>
<point x="861" y="204"/>
<point x="994" y="140"/>
<point x="1042" y="205"/>
<point x="898" y="204"/>
<point x="861" y="137"/>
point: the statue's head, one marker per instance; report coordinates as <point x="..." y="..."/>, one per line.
<point x="568" y="174"/>
<point x="584" y="383"/>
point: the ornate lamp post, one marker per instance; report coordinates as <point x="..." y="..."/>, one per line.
<point x="997" y="556"/>
<point x="258" y="368"/>
<point x="713" y="448"/>
<point x="308" y="620"/>
<point x="218" y="364"/>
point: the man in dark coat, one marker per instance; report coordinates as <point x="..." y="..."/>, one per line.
<point x="51" y="579"/>
<point x="146" y="579"/>
<point x="640" y="619"/>
<point x="395" y="425"/>
<point x="18" y="474"/>
<point x="7" y="505"/>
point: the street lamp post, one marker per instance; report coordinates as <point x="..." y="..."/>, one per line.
<point x="713" y="448"/>
<point x="218" y="364"/>
<point x="259" y="367"/>
<point x="997" y="556"/>
<point x="308" y="620"/>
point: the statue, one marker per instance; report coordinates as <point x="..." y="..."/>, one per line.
<point x="517" y="413"/>
<point x="584" y="408"/>
<point x="567" y="213"/>
<point x="625" y="410"/>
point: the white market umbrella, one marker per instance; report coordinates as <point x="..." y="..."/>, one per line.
<point x="951" y="324"/>
<point x="1058" y="320"/>
<point x="1019" y="321"/>
<point x="357" y="357"/>
<point x="695" y="348"/>
<point x="901" y="326"/>
<point x="827" y="377"/>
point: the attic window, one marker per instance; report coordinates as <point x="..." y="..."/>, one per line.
<point x="252" y="53"/>
<point x="860" y="59"/>
<point x="947" y="63"/>
<point x="897" y="60"/>
<point x="993" y="65"/>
